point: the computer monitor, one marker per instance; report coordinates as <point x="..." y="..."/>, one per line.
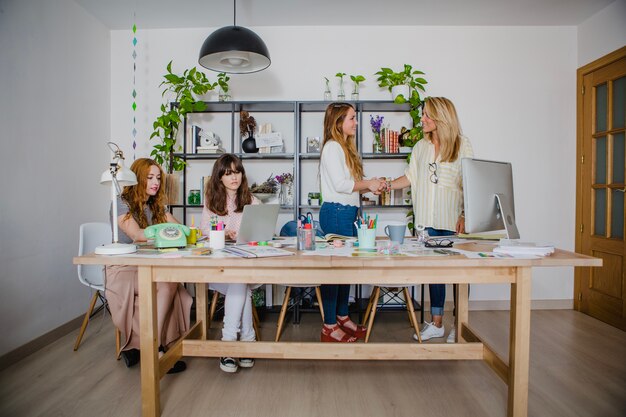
<point x="488" y="195"/>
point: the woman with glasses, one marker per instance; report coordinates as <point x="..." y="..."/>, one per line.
<point x="341" y="182"/>
<point x="434" y="175"/>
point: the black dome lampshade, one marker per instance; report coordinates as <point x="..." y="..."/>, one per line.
<point x="234" y="49"/>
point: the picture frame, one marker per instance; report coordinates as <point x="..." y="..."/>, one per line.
<point x="313" y="144"/>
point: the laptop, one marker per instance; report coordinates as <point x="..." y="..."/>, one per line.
<point x="258" y="223"/>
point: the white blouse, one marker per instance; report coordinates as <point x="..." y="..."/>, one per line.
<point x="336" y="182"/>
<point x="437" y="205"/>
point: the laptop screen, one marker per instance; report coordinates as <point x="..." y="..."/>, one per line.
<point x="258" y="223"/>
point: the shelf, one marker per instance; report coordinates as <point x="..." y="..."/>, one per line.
<point x="265" y="155"/>
<point x="315" y="155"/>
<point x="385" y="155"/>
<point x="378" y="206"/>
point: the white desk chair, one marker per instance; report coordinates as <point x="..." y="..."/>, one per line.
<point x="370" y="312"/>
<point x="92" y="235"/>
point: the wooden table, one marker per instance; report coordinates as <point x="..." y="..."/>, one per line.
<point x="301" y="269"/>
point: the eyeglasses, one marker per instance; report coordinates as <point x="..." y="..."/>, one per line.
<point x="432" y="167"/>
<point x="438" y="243"/>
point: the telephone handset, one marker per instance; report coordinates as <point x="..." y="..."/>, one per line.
<point x="167" y="235"/>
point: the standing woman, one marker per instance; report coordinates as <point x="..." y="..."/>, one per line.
<point x="140" y="206"/>
<point x="341" y="181"/>
<point x="436" y="181"/>
<point x="226" y="195"/>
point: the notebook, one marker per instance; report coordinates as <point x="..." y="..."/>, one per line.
<point x="258" y="223"/>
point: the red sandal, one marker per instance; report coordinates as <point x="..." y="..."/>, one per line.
<point x="360" y="331"/>
<point x="326" y="335"/>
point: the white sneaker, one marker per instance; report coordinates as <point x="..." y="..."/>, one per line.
<point x="246" y="362"/>
<point x="452" y="336"/>
<point x="431" y="331"/>
<point x="228" y="364"/>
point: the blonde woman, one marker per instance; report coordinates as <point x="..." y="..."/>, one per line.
<point x="140" y="206"/>
<point x="341" y="181"/>
<point x="434" y="175"/>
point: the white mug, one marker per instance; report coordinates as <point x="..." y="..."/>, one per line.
<point x="217" y="239"/>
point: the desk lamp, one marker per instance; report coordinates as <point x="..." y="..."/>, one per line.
<point x="117" y="175"/>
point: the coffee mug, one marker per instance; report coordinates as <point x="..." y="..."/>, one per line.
<point x="217" y="239"/>
<point x="395" y="231"/>
<point x="367" y="238"/>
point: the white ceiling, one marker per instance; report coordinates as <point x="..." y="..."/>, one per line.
<point x="150" y="14"/>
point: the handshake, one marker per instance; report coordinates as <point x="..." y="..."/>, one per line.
<point x="378" y="185"/>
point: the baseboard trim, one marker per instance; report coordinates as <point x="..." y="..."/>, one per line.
<point x="480" y="305"/>
<point x="42" y="341"/>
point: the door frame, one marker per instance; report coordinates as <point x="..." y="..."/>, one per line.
<point x="608" y="59"/>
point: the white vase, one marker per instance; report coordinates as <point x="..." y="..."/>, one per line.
<point x="286" y="194"/>
<point x="396" y="90"/>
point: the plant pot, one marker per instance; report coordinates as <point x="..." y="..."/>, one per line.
<point x="396" y="90"/>
<point x="249" y="145"/>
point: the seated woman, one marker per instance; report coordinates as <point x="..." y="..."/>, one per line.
<point x="140" y="206"/>
<point x="225" y="197"/>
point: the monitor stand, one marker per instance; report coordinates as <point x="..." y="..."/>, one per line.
<point x="507" y="218"/>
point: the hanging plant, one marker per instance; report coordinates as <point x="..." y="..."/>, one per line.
<point x="184" y="89"/>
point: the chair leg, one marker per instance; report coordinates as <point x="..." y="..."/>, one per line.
<point x="372" y="314"/>
<point x="283" y="311"/>
<point x="118" y="339"/>
<point x="411" y="309"/>
<point x="369" y="306"/>
<point x="92" y="304"/>
<point x="213" y="307"/>
<point x="256" y="322"/>
<point x="318" y="294"/>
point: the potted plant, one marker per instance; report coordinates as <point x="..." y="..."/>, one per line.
<point x="184" y="88"/>
<point x="327" y="94"/>
<point x="266" y="189"/>
<point x="341" y="95"/>
<point x="403" y="82"/>
<point x="247" y="126"/>
<point x="222" y="82"/>
<point x="356" y="79"/>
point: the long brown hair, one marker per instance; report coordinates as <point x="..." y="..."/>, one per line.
<point x="138" y="199"/>
<point x="333" y="130"/>
<point x="215" y="193"/>
<point x="443" y="113"/>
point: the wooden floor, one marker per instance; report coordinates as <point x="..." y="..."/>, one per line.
<point x="577" y="368"/>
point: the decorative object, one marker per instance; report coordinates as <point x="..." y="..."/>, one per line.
<point x="247" y="126"/>
<point x="376" y="124"/>
<point x="327" y="95"/>
<point x="314" y="199"/>
<point x="234" y="49"/>
<point x="341" y="95"/>
<point x="356" y="79"/>
<point x="286" y="188"/>
<point x="313" y="144"/>
<point x="184" y="88"/>
<point x="134" y="131"/>
<point x="208" y="142"/>
<point x="117" y="176"/>
<point x="266" y="189"/>
<point x="222" y="82"/>
<point x="194" y="198"/>
<point x="407" y="77"/>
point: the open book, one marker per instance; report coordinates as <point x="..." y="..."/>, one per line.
<point x="247" y="251"/>
<point x="333" y="236"/>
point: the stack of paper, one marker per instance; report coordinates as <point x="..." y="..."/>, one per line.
<point x="516" y="247"/>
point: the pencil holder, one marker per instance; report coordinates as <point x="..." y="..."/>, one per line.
<point x="367" y="238"/>
<point x="217" y="239"/>
<point x="306" y="239"/>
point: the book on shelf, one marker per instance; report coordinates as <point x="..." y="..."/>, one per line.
<point x="517" y="247"/>
<point x="204" y="182"/>
<point x="209" y="149"/>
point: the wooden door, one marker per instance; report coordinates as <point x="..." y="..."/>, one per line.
<point x="601" y="125"/>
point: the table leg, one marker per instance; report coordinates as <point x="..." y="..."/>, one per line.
<point x="201" y="308"/>
<point x="462" y="309"/>
<point x="519" y="352"/>
<point x="150" y="385"/>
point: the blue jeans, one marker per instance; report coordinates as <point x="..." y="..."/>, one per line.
<point x="336" y="218"/>
<point x="437" y="291"/>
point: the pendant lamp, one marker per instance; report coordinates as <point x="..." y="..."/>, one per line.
<point x="234" y="49"/>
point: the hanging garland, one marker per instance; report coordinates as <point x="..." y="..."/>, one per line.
<point x="134" y="131"/>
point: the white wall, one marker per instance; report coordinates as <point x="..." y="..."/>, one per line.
<point x="602" y="33"/>
<point x="54" y="113"/>
<point x="513" y="87"/>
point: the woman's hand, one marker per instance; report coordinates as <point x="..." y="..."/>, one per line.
<point x="230" y="234"/>
<point x="377" y="185"/>
<point x="460" y="224"/>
